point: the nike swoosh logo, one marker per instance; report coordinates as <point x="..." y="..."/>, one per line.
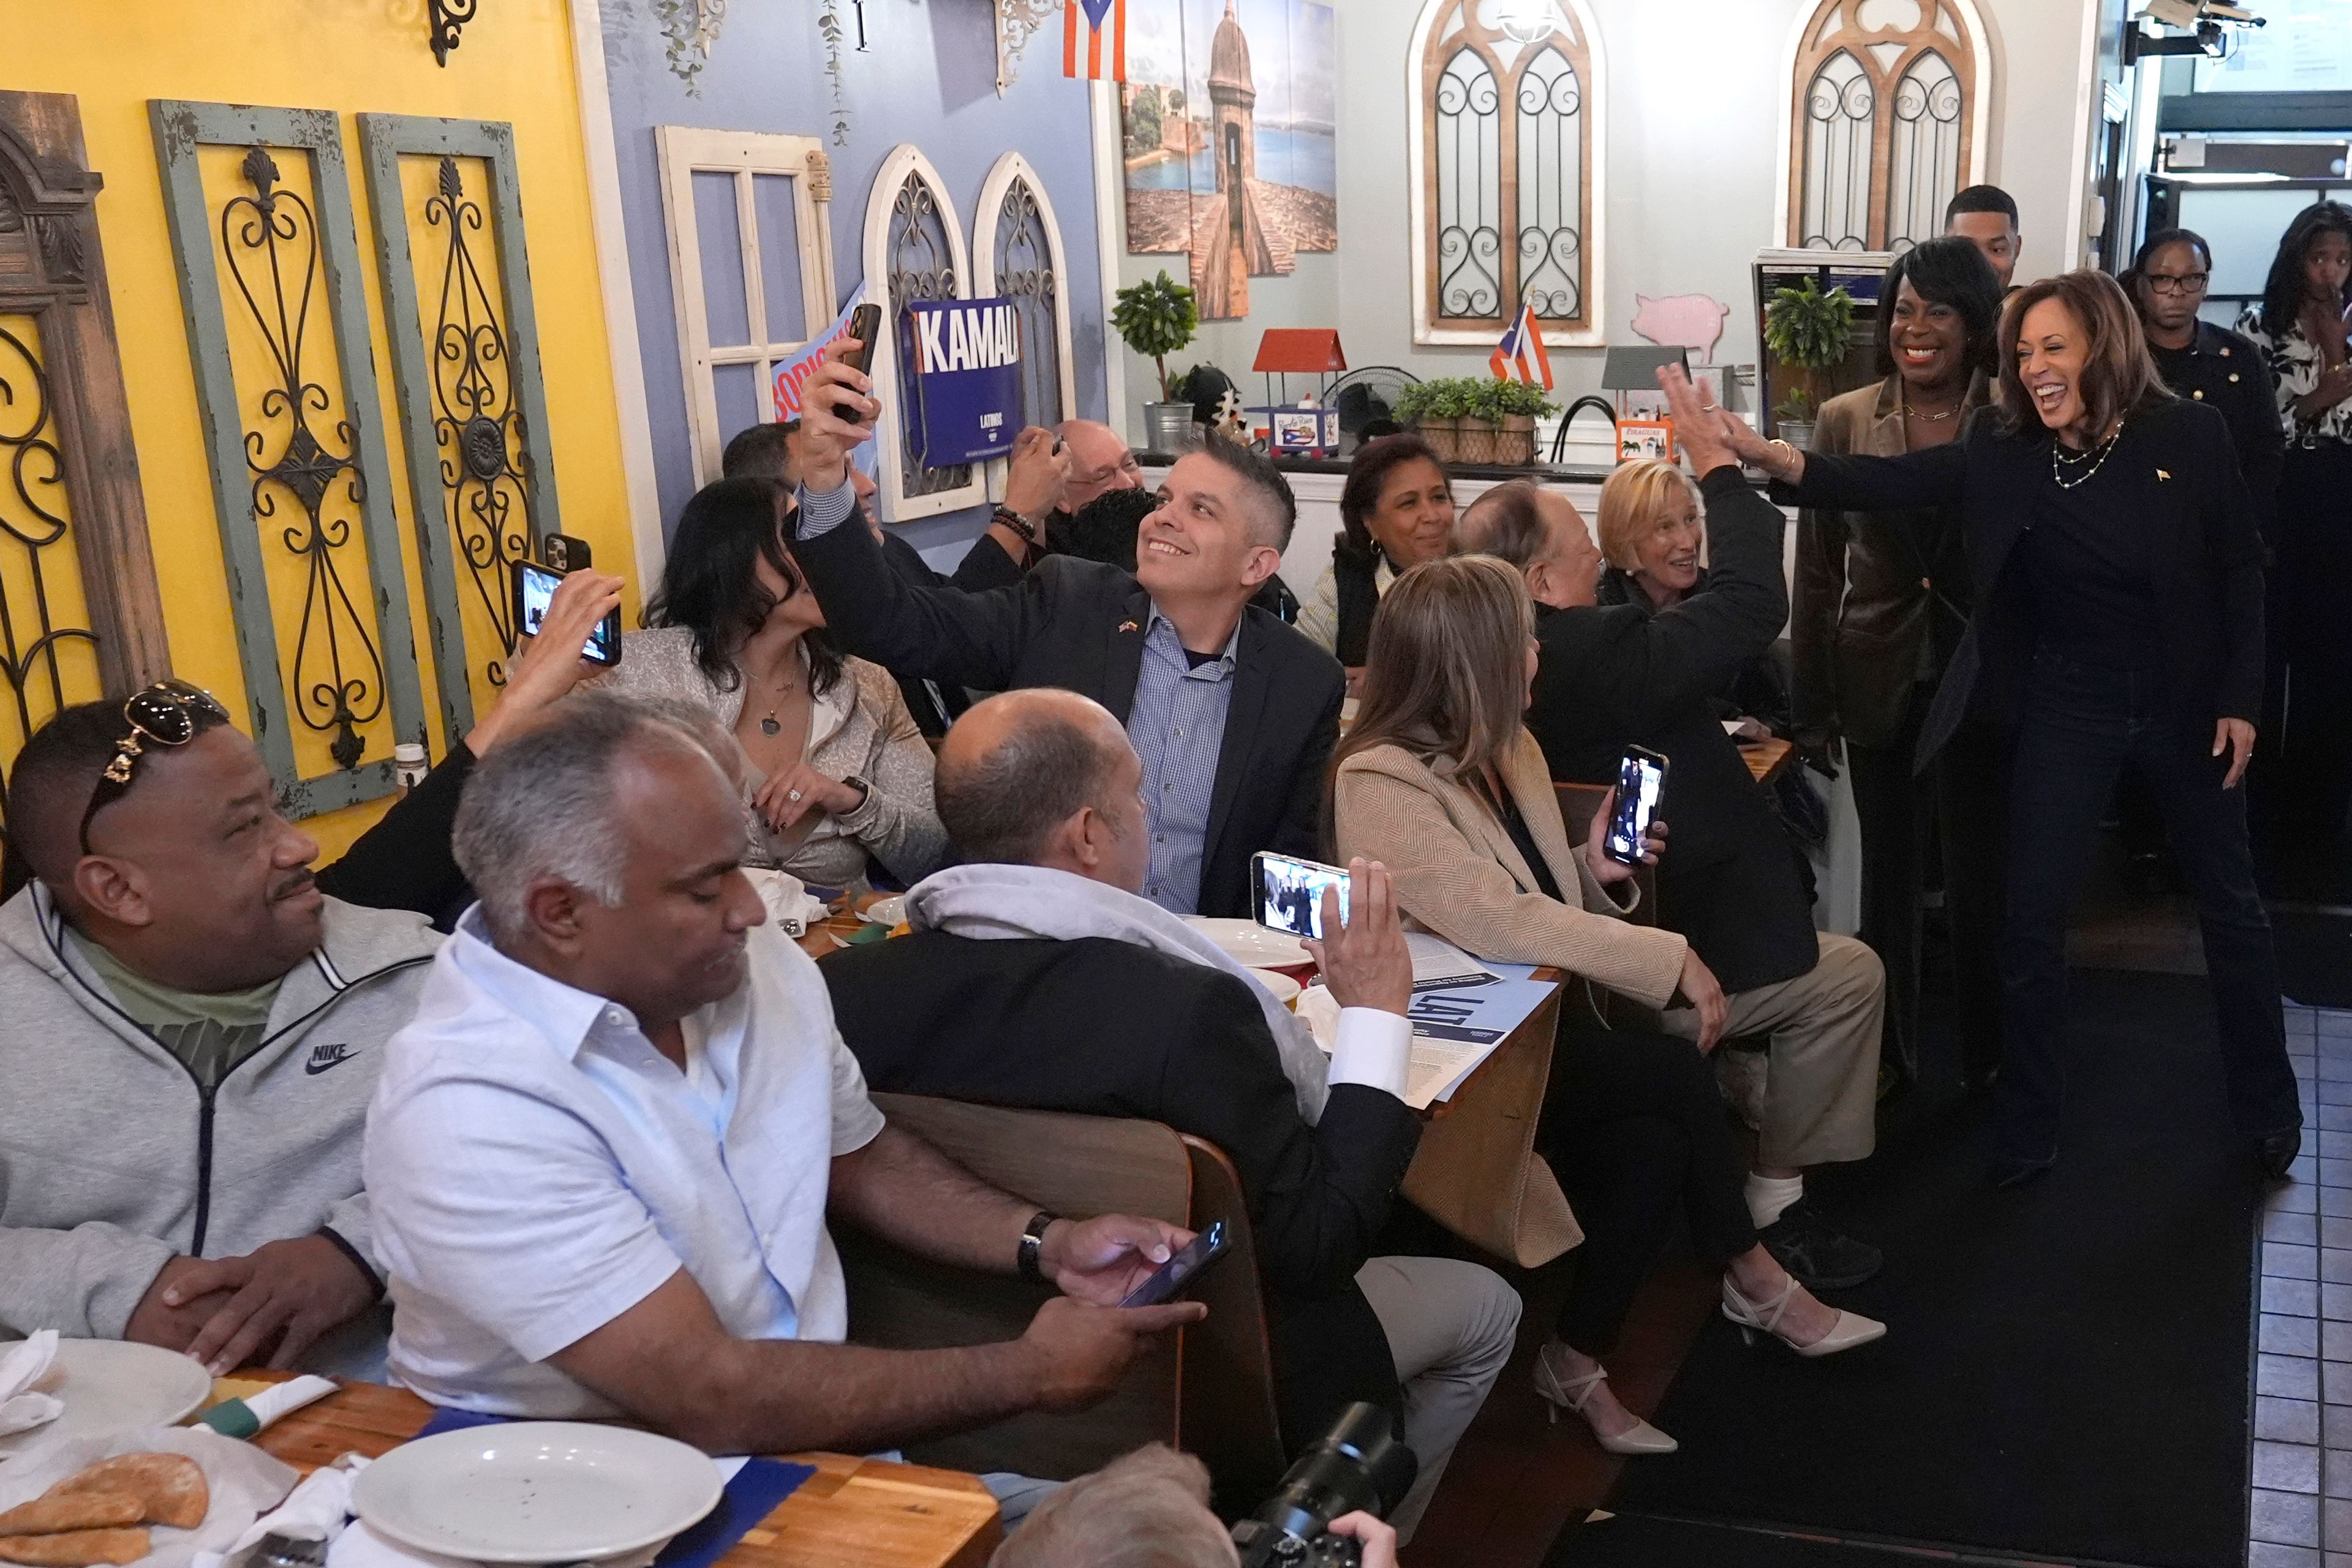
<point x="326" y="1057"/>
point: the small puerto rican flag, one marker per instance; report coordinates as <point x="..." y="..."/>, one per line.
<point x="1520" y="356"/>
<point x="1094" y="39"/>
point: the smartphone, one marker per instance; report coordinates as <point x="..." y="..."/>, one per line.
<point x="864" y="325"/>
<point x="1289" y="895"/>
<point x="563" y="552"/>
<point x="1174" y="1277"/>
<point x="1641" y="781"/>
<point x="534" y="587"/>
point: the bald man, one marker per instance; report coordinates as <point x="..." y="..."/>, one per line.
<point x="1001" y="994"/>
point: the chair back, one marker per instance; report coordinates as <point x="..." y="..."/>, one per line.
<point x="1207" y="1389"/>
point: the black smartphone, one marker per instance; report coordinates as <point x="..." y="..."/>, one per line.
<point x="1288" y="892"/>
<point x="535" y="587"/>
<point x="563" y="552"/>
<point x="864" y="325"/>
<point x="1174" y="1277"/>
<point x="1641" y="782"/>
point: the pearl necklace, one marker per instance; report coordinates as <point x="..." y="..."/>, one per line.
<point x="2096" y="456"/>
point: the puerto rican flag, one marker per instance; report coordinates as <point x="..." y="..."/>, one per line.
<point x="1520" y="356"/>
<point x="1094" y="39"/>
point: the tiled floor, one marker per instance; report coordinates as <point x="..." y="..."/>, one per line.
<point x="2300" y="1515"/>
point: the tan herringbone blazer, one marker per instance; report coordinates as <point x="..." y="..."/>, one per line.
<point x="1458" y="874"/>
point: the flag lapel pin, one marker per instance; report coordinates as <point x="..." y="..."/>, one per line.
<point x="2162" y="475"/>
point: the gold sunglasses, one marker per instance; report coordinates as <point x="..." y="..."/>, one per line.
<point x="163" y="714"/>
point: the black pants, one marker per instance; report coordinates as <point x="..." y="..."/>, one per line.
<point x="1905" y="815"/>
<point x="1634" y="1128"/>
<point x="2080" y="729"/>
<point x="2314" y="595"/>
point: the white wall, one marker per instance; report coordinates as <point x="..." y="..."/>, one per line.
<point x="1693" y="97"/>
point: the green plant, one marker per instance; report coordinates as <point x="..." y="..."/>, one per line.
<point x="1412" y="402"/>
<point x="1503" y="398"/>
<point x="1810" y="332"/>
<point x="1452" y="397"/>
<point x="1155" y="318"/>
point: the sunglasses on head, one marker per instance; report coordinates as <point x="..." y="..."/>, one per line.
<point x="163" y="714"/>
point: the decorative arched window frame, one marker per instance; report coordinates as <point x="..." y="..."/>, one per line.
<point x="1885" y="59"/>
<point x="891" y="285"/>
<point x="1012" y="178"/>
<point x="1443" y="30"/>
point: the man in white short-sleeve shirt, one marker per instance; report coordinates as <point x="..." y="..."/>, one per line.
<point x="604" y="1153"/>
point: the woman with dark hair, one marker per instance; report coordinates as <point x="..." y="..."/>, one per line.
<point x="836" y="769"/>
<point x="2302" y="326"/>
<point x="1398" y="508"/>
<point x="1441" y="781"/>
<point x="1879" y="602"/>
<point x="2117" y="580"/>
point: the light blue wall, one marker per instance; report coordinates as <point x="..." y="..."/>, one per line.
<point x="928" y="77"/>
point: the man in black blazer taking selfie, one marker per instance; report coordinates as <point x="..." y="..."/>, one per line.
<point x="1233" y="713"/>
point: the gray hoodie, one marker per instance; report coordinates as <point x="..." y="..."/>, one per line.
<point x="112" y="1160"/>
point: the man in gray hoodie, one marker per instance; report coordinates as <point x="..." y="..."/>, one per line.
<point x="189" y="1039"/>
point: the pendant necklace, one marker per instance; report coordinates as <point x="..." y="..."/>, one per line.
<point x="771" y="724"/>
<point x="1921" y="413"/>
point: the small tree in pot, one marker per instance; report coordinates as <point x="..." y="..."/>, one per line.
<point x="1811" y="333"/>
<point x="1156" y="319"/>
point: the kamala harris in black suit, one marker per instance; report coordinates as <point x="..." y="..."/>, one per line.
<point x="2117" y="574"/>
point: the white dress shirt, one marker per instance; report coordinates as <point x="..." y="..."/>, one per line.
<point x="537" y="1168"/>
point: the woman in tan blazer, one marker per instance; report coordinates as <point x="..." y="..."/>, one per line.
<point x="1440" y="780"/>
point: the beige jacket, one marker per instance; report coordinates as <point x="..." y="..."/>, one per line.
<point x="859" y="727"/>
<point x="1458" y="874"/>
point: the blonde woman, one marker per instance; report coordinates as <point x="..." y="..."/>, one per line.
<point x="1441" y="781"/>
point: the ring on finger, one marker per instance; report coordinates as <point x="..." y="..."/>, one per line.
<point x="792" y="795"/>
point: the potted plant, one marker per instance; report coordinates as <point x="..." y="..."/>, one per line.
<point x="1155" y="318"/>
<point x="1516" y="405"/>
<point x="1810" y="332"/>
<point x="1416" y="408"/>
<point x="1481" y="418"/>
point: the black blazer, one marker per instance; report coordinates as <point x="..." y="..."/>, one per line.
<point x="936" y="704"/>
<point x="1079" y="624"/>
<point x="1610" y="676"/>
<point x="2173" y="470"/>
<point x="1108" y="1028"/>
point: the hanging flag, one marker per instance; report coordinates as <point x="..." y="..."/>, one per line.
<point x="1520" y="356"/>
<point x="1094" y="39"/>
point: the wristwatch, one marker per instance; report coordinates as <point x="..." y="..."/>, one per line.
<point x="1033" y="1241"/>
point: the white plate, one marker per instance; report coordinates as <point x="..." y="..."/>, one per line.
<point x="1285" y="989"/>
<point x="114" y="1386"/>
<point x="887" y="912"/>
<point x="1250" y="943"/>
<point x="536" y="1491"/>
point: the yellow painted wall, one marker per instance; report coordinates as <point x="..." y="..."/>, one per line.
<point x="515" y="64"/>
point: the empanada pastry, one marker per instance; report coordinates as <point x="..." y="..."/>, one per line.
<point x="48" y="1514"/>
<point x="172" y="1485"/>
<point x="75" y="1547"/>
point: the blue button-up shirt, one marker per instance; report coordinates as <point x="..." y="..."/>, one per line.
<point x="1177" y="725"/>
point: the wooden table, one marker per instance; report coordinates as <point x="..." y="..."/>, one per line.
<point x="853" y="1513"/>
<point x="1768" y="759"/>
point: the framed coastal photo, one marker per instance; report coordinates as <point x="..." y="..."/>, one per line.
<point x="1640" y="439"/>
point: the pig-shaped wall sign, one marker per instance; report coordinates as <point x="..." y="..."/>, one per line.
<point x="1693" y="321"/>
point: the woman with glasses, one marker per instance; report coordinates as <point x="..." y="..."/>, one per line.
<point x="2302" y="325"/>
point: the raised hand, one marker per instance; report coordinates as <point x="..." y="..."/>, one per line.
<point x="1365" y="962"/>
<point x="1711" y="436"/>
<point x="837" y="412"/>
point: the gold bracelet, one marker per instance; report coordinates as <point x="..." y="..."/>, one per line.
<point x="1794" y="455"/>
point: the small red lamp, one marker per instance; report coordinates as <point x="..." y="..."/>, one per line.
<point x="1285" y="351"/>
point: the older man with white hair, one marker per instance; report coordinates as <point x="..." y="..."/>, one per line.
<point x="605" y="1152"/>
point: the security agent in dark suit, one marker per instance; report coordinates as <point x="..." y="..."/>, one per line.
<point x="1040" y="788"/>
<point x="1234" y="713"/>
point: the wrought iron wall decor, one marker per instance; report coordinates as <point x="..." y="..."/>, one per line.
<point x="1018" y="256"/>
<point x="922" y="266"/>
<point x="465" y="366"/>
<point x="70" y="500"/>
<point x="1884" y="122"/>
<point x="914" y="249"/>
<point x="1506" y="137"/>
<point x="351" y="666"/>
<point x="443" y="20"/>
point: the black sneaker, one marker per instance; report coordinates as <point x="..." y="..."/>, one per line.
<point x="1817" y="1254"/>
<point x="2279" y="1152"/>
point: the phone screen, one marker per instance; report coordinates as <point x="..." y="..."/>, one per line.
<point x="535" y="587"/>
<point x="1641" y="780"/>
<point x="1170" y="1279"/>
<point x="1290" y="893"/>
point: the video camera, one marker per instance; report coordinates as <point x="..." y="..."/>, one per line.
<point x="1359" y="1466"/>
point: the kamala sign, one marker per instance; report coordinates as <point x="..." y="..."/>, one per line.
<point x="966" y="378"/>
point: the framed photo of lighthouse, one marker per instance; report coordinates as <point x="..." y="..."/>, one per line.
<point x="1231" y="139"/>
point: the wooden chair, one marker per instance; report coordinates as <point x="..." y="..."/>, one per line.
<point x="1208" y="1389"/>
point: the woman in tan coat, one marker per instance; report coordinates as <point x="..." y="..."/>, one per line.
<point x="1441" y="782"/>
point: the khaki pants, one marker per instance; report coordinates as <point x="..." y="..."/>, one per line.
<point x="1451" y="1326"/>
<point x="1821" y="1089"/>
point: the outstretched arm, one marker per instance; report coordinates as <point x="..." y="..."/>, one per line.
<point x="1937" y="477"/>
